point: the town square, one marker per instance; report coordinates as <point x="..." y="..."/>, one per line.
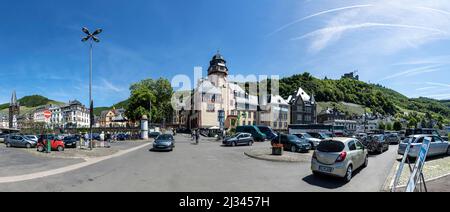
<point x="165" y="96"/>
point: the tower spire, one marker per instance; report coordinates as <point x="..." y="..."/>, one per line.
<point x="13" y="99"/>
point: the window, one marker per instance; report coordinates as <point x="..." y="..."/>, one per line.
<point x="275" y="125"/>
<point x="352" y="146"/>
<point x="359" y="146"/>
<point x="299" y="118"/>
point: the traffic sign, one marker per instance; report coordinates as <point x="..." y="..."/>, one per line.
<point x="417" y="171"/>
<point x="47" y="114"/>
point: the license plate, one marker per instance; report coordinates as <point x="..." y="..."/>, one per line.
<point x="325" y="169"/>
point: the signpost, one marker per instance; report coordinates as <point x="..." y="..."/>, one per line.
<point x="47" y="115"/>
<point x="402" y="164"/>
<point x="222" y="122"/>
<point x="417" y="171"/>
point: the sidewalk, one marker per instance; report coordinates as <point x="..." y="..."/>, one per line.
<point x="18" y="161"/>
<point x="439" y="185"/>
<point x="85" y="153"/>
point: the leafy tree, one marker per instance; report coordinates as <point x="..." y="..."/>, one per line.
<point x="397" y="126"/>
<point x="381" y="126"/>
<point x="158" y="93"/>
<point x="389" y="126"/>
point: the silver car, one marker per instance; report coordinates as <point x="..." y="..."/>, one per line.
<point x="311" y="140"/>
<point x="339" y="157"/>
<point x="19" y="141"/>
<point x="437" y="147"/>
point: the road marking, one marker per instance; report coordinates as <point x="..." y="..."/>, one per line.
<point x="62" y="170"/>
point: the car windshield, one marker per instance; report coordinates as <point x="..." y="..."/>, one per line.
<point x="293" y="138"/>
<point x="324" y="135"/>
<point x="331" y="146"/>
<point x="165" y="137"/>
<point x="265" y="130"/>
<point x="306" y="135"/>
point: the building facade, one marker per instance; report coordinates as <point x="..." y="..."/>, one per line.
<point x="70" y="115"/>
<point x="303" y="108"/>
<point x="200" y="109"/>
<point x="274" y="113"/>
<point x="349" y="125"/>
<point x="113" y="118"/>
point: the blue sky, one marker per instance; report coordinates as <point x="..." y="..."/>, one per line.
<point x="402" y="44"/>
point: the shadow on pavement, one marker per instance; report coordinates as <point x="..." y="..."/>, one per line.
<point x="328" y="182"/>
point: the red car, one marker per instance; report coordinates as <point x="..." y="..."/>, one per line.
<point x="56" y="144"/>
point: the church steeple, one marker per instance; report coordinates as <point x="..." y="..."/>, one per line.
<point x="13" y="99"/>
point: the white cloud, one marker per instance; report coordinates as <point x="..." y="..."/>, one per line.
<point x="410" y="23"/>
<point x="413" y="72"/>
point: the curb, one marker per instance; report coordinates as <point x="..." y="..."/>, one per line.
<point x="389" y="183"/>
<point x="89" y="162"/>
<point x="273" y="160"/>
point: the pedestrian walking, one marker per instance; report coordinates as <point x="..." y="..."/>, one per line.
<point x="197" y="136"/>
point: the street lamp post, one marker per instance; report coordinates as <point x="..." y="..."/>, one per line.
<point x="91" y="37"/>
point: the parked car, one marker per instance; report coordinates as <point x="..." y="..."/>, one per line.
<point x="164" y="142"/>
<point x="376" y="143"/>
<point x="437" y="147"/>
<point x="311" y="140"/>
<point x="421" y="131"/>
<point x="19" y="141"/>
<point x="393" y="138"/>
<point x="292" y="143"/>
<point x="256" y="133"/>
<point x="32" y="137"/>
<point x="56" y="144"/>
<point x="319" y="135"/>
<point x="70" y="141"/>
<point x="268" y="131"/>
<point x="239" y="139"/>
<point x="122" y="137"/>
<point x="2" y="137"/>
<point x="154" y="134"/>
<point x="339" y="157"/>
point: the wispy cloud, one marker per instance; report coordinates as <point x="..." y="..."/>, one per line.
<point x="319" y="14"/>
<point x="413" y="72"/>
<point x="411" y="24"/>
<point x="110" y="86"/>
<point x="325" y="35"/>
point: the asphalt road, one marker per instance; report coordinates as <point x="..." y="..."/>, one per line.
<point x="202" y="168"/>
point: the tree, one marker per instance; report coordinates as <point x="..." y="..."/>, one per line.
<point x="389" y="126"/>
<point x="412" y="122"/>
<point x="158" y="93"/>
<point x="381" y="126"/>
<point x="397" y="126"/>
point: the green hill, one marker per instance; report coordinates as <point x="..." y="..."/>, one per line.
<point x="376" y="97"/>
<point x="28" y="103"/>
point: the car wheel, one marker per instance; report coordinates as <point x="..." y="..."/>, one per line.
<point x="250" y="143"/>
<point x="60" y="148"/>
<point x="28" y="146"/>
<point x="8" y="145"/>
<point x="312" y="145"/>
<point x="366" y="162"/>
<point x="40" y="149"/>
<point x="293" y="148"/>
<point x="233" y="144"/>
<point x="349" y="174"/>
<point x="448" y="151"/>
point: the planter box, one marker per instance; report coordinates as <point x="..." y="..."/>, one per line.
<point x="277" y="151"/>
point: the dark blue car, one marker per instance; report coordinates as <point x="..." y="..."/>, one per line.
<point x="70" y="141"/>
<point x="270" y="134"/>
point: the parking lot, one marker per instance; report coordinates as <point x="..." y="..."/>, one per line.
<point x="205" y="167"/>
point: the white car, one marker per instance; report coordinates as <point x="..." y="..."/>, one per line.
<point x="311" y="140"/>
<point x="437" y="147"/>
